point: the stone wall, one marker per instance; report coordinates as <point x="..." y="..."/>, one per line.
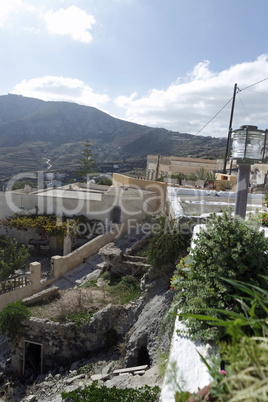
<point x="64" y="343"/>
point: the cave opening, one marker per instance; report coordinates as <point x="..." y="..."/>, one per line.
<point x="143" y="356"/>
<point x="33" y="358"/>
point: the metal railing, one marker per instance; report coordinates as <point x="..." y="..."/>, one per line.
<point x="46" y="271"/>
<point x="14" y="282"/>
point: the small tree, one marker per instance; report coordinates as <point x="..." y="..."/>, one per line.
<point x="201" y="173"/>
<point x="11" y="318"/>
<point x="11" y="257"/>
<point x="86" y="163"/>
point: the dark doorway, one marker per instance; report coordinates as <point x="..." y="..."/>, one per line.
<point x="115" y="215"/>
<point x="33" y="358"/>
<point x="143" y="356"/>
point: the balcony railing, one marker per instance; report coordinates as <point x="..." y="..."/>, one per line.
<point x="14" y="282"/>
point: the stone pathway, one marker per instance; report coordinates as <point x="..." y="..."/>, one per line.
<point x="84" y="271"/>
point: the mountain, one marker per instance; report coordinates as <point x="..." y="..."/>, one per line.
<point x="32" y="131"/>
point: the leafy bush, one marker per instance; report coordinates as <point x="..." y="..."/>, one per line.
<point x="93" y="393"/>
<point x="12" y="258"/>
<point x="166" y="243"/>
<point x="104" y="181"/>
<point x="11" y="318"/>
<point x="226" y="248"/>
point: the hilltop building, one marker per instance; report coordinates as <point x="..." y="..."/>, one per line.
<point x="159" y="166"/>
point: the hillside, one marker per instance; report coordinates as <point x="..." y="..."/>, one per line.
<point x="32" y="131"/>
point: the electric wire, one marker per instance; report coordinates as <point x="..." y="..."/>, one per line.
<point x="244" y="107"/>
<point x="258" y="93"/>
<point x="252" y="85"/>
<point x="214" y="116"/>
<point x="238" y="90"/>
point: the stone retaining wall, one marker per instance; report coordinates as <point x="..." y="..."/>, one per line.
<point x="64" y="343"/>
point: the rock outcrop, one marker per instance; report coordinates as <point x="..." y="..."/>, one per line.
<point x="120" y="264"/>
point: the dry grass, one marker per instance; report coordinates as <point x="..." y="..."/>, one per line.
<point x="80" y="299"/>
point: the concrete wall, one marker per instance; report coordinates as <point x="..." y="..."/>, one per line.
<point x="61" y="265"/>
<point x="158" y="165"/>
<point x="26" y="291"/>
<point x="23" y="236"/>
<point x="159" y="190"/>
<point x="95" y="203"/>
<point x="11" y="202"/>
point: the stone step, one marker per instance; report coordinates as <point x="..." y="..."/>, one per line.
<point x="139" y="372"/>
<point x="130" y="369"/>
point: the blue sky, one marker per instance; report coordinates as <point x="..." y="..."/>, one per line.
<point x="163" y="63"/>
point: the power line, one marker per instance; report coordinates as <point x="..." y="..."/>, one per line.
<point x="252" y="85"/>
<point x="214" y="116"/>
<point x="238" y="90"/>
<point x="259" y="93"/>
<point x="244" y="106"/>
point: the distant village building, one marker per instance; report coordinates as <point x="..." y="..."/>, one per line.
<point x="159" y="166"/>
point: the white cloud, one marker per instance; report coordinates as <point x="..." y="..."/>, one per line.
<point x="10" y="7"/>
<point x="70" y="21"/>
<point x="190" y="102"/>
<point x="51" y="88"/>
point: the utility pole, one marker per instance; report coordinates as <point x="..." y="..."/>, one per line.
<point x="230" y="130"/>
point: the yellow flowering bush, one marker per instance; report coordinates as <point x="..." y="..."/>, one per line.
<point x="46" y="225"/>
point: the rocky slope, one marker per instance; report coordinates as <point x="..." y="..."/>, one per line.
<point x="139" y="345"/>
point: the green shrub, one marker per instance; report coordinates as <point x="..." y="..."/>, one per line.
<point x="93" y="393"/>
<point x="226" y="248"/>
<point x="166" y="243"/>
<point x="104" y="181"/>
<point x="12" y="258"/>
<point x="11" y="318"/>
<point x="191" y="176"/>
<point x="90" y="283"/>
<point x="21" y="184"/>
<point x="79" y="318"/>
<point x="127" y="288"/>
